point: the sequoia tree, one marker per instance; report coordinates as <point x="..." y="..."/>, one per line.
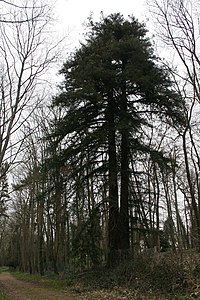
<point x="113" y="84"/>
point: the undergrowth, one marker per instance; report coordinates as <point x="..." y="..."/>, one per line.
<point x="3" y="296"/>
<point x="176" y="276"/>
<point x="163" y="272"/>
<point x="51" y="281"/>
<point x="4" y="269"/>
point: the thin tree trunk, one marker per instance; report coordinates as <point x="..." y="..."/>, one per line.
<point x="191" y="188"/>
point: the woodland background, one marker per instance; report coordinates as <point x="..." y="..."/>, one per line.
<point x="75" y="194"/>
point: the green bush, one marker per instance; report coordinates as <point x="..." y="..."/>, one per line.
<point x="4" y="269"/>
<point x="3" y="296"/>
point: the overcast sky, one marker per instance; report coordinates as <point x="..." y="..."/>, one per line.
<point x="73" y="13"/>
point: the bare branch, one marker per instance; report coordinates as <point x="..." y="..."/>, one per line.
<point x="25" y="53"/>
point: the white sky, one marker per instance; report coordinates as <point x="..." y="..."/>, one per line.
<point x="73" y="13"/>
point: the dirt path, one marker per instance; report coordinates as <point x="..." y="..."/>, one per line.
<point x="20" y="290"/>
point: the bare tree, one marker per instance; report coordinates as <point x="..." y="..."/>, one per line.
<point x="25" y="53"/>
<point x="7" y="17"/>
<point x="178" y="29"/>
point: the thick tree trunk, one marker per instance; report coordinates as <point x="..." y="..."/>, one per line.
<point x="113" y="229"/>
<point x="124" y="215"/>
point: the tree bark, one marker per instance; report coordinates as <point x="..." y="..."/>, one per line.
<point x="124" y="215"/>
<point x="113" y="228"/>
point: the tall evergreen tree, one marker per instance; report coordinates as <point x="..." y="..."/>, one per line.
<point x="113" y="85"/>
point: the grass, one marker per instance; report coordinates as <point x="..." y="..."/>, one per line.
<point x="51" y="281"/>
<point x="4" y="269"/>
<point x="3" y="296"/>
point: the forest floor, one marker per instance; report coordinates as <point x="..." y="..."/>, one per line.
<point x="149" y="276"/>
<point x="15" y="289"/>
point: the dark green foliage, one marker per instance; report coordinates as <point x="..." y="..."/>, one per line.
<point x="117" y="58"/>
<point x="85" y="241"/>
<point x="116" y="53"/>
<point x="112" y="87"/>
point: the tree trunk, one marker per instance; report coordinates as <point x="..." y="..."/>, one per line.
<point x="192" y="194"/>
<point x="113" y="230"/>
<point x="124" y="215"/>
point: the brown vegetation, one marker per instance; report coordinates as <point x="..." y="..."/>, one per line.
<point x="147" y="276"/>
